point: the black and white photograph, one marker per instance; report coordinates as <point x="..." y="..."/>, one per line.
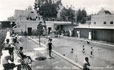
<point x="56" y="34"/>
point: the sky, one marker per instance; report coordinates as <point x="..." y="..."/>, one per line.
<point x="7" y="7"/>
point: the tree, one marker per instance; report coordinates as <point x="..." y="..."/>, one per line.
<point x="81" y="16"/>
<point x="48" y="11"/>
<point x="39" y="30"/>
<point x="71" y="14"/>
<point x="63" y="14"/>
<point x="47" y="8"/>
<point x="67" y="14"/>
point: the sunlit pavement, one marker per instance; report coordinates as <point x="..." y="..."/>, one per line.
<point x="34" y="50"/>
<point x="103" y="55"/>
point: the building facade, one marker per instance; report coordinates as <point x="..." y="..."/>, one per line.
<point x="26" y="20"/>
<point x="101" y="27"/>
<point x="60" y="26"/>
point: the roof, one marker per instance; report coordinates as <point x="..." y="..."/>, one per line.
<point x="96" y="27"/>
<point x="67" y="24"/>
<point x="103" y="11"/>
<point x="64" y="23"/>
<point x="4" y="21"/>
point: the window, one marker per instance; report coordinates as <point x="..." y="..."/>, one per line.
<point x="111" y="22"/>
<point x="104" y="22"/>
<point x="94" y="22"/>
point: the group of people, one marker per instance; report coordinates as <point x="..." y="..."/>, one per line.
<point x="86" y="64"/>
<point x="10" y="45"/>
<point x="8" y="56"/>
<point x="91" y="51"/>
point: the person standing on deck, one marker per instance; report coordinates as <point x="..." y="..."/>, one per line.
<point x="50" y="48"/>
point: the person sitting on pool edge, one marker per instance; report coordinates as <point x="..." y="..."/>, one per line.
<point x="23" y="56"/>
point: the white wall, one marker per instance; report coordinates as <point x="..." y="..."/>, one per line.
<point x="99" y="19"/>
<point x="50" y="24"/>
<point x="24" y="24"/>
